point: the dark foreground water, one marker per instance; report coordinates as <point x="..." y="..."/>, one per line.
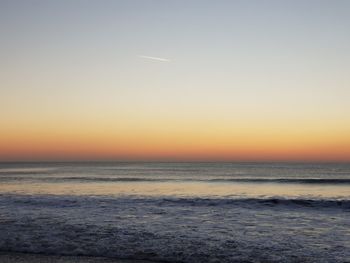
<point x="178" y="212"/>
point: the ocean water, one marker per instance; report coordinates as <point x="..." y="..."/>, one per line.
<point x="178" y="212"/>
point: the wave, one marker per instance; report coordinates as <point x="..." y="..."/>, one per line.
<point x="167" y="179"/>
<point x="188" y="230"/>
<point x="63" y="201"/>
<point x="322" y="203"/>
<point x="81" y="178"/>
<point x="287" y="180"/>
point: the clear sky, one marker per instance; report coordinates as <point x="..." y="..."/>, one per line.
<point x="175" y="80"/>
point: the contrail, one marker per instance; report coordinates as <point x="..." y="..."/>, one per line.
<point x="155" y="58"/>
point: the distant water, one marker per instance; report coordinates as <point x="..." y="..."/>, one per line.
<point x="178" y="212"/>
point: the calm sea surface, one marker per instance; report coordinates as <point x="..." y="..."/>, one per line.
<point x="178" y="212"/>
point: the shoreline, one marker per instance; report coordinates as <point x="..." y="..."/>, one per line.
<point x="17" y="257"/>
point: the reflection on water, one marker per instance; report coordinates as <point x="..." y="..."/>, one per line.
<point x="226" y="180"/>
<point x="181" y="189"/>
<point x="270" y="212"/>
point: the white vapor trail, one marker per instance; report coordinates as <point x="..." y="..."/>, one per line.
<point x="156" y="58"/>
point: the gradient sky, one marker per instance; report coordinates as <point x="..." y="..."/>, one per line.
<point x="175" y="80"/>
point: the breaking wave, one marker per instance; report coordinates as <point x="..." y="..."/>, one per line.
<point x="335" y="181"/>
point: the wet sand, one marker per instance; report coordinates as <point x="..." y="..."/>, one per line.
<point x="9" y="257"/>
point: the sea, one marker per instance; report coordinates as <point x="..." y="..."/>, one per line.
<point x="178" y="212"/>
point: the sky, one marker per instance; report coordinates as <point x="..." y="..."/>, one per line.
<point x="181" y="80"/>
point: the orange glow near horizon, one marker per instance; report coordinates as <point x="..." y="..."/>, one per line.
<point x="228" y="81"/>
<point x="175" y="142"/>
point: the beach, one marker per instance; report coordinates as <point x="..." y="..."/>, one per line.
<point x="175" y="131"/>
